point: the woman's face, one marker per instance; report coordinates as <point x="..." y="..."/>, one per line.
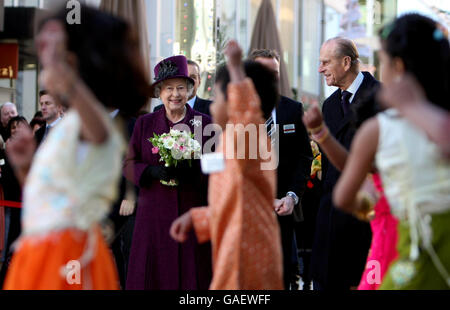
<point x="218" y="108"/>
<point x="17" y="127"/>
<point x="174" y="94"/>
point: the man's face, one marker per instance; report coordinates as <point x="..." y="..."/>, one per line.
<point x="271" y="63"/>
<point x="50" y="110"/>
<point x="9" y="111"/>
<point x="332" y="67"/>
<point x="195" y="75"/>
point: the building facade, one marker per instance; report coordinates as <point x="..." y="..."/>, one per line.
<point x="199" y="29"/>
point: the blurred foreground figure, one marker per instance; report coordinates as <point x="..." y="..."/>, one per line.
<point x="415" y="174"/>
<point x="406" y="96"/>
<point x="240" y="221"/>
<point x="73" y="179"/>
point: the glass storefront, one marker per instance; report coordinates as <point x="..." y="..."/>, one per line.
<point x="195" y="38"/>
<point x="22" y="90"/>
<point x="360" y="21"/>
<point x="200" y="28"/>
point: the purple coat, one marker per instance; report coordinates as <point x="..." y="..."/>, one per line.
<point x="156" y="260"/>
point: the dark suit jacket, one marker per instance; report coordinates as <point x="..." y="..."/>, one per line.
<point x="341" y="241"/>
<point x="3" y="133"/>
<point x="200" y="105"/>
<point x="294" y="168"/>
<point x="39" y="135"/>
<point x="295" y="153"/>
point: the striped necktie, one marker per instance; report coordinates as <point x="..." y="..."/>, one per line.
<point x="271" y="128"/>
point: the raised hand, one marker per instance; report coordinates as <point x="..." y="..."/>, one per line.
<point x="50" y="43"/>
<point x="62" y="80"/>
<point x="234" y="61"/>
<point x="313" y="117"/>
<point x="57" y="76"/>
<point x="234" y="53"/>
<point x="20" y="150"/>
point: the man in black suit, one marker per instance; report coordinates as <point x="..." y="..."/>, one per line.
<point x="294" y="167"/>
<point x="197" y="103"/>
<point x="51" y="113"/>
<point x="341" y="242"/>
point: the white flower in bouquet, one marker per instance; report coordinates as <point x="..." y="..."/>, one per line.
<point x="175" y="133"/>
<point x="169" y="143"/>
<point x="174" y="147"/>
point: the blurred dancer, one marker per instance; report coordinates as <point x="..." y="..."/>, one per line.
<point x="240" y="221"/>
<point x="415" y="174"/>
<point x="74" y="176"/>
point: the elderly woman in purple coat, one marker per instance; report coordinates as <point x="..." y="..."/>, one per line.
<point x="156" y="260"/>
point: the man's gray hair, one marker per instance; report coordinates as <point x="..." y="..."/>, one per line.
<point x="346" y="47"/>
<point x="6" y="104"/>
<point x="189" y="85"/>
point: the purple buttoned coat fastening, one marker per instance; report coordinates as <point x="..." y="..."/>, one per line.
<point x="156" y="260"/>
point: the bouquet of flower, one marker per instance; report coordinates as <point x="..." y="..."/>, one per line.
<point x="174" y="147"/>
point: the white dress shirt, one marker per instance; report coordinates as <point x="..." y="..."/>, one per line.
<point x="192" y="102"/>
<point x="49" y="126"/>
<point x="355" y="85"/>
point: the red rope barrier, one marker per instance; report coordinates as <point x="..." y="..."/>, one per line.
<point x="11" y="204"/>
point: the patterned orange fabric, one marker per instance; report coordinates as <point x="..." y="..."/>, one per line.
<point x="37" y="264"/>
<point x="240" y="220"/>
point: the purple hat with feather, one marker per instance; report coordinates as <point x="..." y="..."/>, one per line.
<point x="174" y="67"/>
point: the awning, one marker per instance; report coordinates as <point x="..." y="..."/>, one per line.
<point x="265" y="36"/>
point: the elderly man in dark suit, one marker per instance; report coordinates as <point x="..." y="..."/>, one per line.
<point x="8" y="110"/>
<point x="195" y="102"/>
<point x="341" y="241"/>
<point x="295" y="158"/>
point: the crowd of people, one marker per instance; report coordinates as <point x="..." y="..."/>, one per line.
<point x="359" y="197"/>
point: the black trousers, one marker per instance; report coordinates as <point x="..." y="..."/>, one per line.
<point x="287" y="238"/>
<point x="121" y="248"/>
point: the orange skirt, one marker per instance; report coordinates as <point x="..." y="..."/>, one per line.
<point x="39" y="262"/>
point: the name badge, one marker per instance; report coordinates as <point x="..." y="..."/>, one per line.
<point x="212" y="163"/>
<point x="290" y="128"/>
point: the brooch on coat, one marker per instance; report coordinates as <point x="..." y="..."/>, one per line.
<point x="196" y="122"/>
